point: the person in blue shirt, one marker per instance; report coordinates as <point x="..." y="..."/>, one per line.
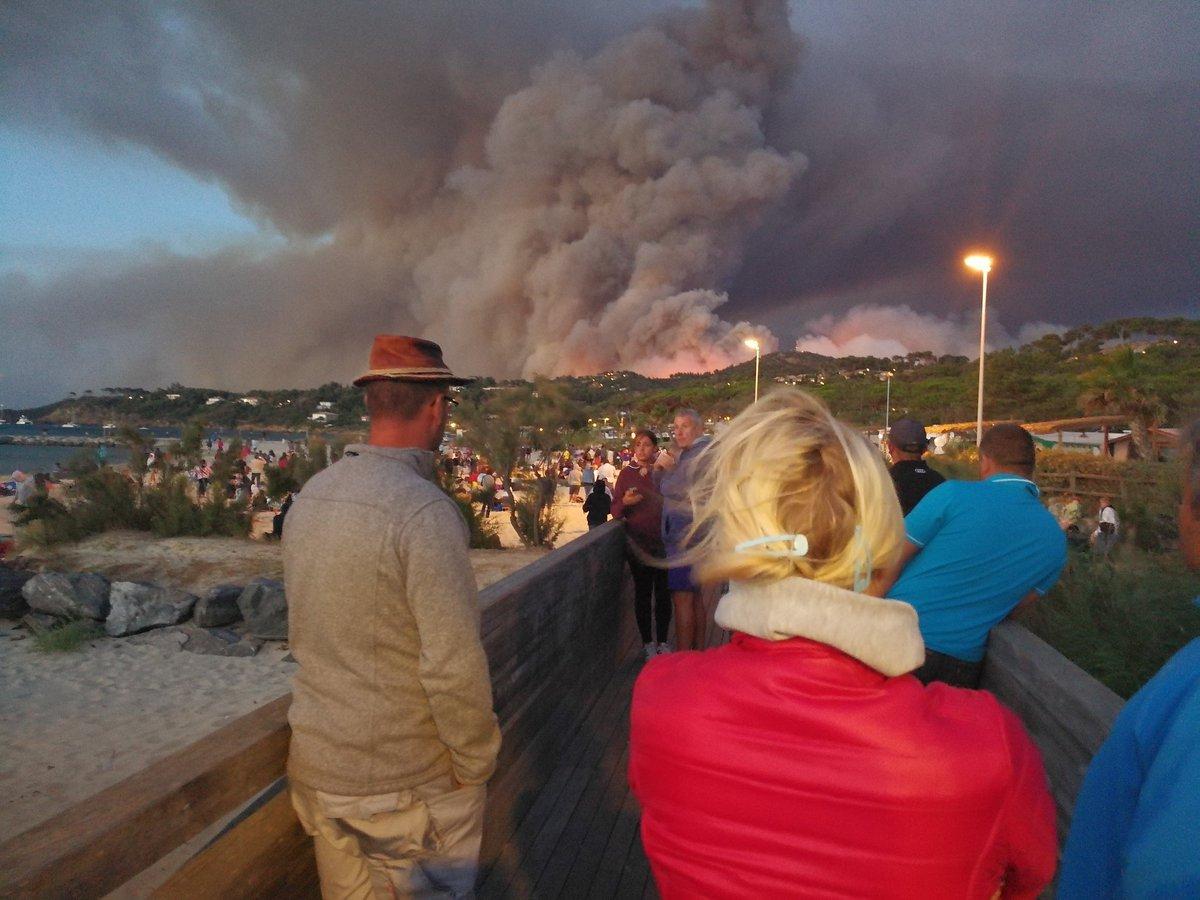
<point x="1133" y="833"/>
<point x="976" y="551"/>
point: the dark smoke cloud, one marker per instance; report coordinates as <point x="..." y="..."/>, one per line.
<point x="1053" y="136"/>
<point x="564" y="187"/>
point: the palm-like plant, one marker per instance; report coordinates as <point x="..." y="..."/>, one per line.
<point x="1120" y="386"/>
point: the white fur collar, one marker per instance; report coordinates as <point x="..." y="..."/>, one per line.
<point x="881" y="633"/>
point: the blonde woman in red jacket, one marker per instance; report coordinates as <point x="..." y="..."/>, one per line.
<point x="801" y="759"/>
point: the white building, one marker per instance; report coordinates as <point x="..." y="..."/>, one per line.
<point x="325" y="404"/>
<point x="249" y="401"/>
<point x="213" y="401"/>
<point x="320" y="417"/>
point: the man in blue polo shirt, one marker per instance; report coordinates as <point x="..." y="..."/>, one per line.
<point x="977" y="550"/>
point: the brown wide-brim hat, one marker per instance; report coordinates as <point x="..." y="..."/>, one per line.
<point x="397" y="357"/>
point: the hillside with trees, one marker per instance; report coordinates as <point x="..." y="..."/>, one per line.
<point x="1146" y="369"/>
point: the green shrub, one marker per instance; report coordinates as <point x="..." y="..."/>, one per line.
<point x="485" y="532"/>
<point x="66" y="636"/>
<point x="82" y="462"/>
<point x="281" y="481"/>
<point x="1120" y="619"/>
<point x="105" y="499"/>
<point x="222" y="516"/>
<point x="170" y="508"/>
<point x="536" y="524"/>
<point x="44" y="521"/>
<point x="959" y="468"/>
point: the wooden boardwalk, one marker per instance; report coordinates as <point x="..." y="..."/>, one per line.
<point x="580" y="837"/>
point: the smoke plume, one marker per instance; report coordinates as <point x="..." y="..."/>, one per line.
<point x="887" y="331"/>
<point x="587" y="220"/>
<point x="613" y="202"/>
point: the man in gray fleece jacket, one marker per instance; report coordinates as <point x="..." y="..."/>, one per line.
<point x="393" y="733"/>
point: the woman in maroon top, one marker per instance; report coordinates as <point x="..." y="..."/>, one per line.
<point x="636" y="499"/>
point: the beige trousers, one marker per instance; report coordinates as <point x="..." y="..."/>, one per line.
<point x="422" y="842"/>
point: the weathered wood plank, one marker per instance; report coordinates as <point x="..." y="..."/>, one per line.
<point x="589" y="833"/>
<point x="600" y="761"/>
<point x="512" y="875"/>
<point x="266" y="855"/>
<point x="1066" y="711"/>
<point x="97" y="845"/>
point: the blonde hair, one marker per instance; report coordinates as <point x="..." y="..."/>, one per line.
<point x="786" y="466"/>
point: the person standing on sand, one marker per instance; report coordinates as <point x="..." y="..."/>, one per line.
<point x="598" y="505"/>
<point x="393" y="733"/>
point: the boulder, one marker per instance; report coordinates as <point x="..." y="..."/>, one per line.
<point x="12" y="603"/>
<point x="92" y="591"/>
<point x="138" y="607"/>
<point x="219" y="642"/>
<point x="80" y="596"/>
<point x="264" y="607"/>
<point x="218" y="607"/>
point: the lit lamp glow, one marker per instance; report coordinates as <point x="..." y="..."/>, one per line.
<point x="753" y="345"/>
<point x="983" y="265"/>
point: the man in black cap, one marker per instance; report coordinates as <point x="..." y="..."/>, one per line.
<point x="913" y="478"/>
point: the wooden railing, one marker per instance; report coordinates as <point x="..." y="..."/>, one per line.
<point x="553" y="632"/>
<point x="1067" y="712"/>
<point x="1088" y="484"/>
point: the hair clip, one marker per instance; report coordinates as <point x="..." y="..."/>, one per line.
<point x="798" y="542"/>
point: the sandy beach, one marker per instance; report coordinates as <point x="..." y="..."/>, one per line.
<point x="74" y="723"/>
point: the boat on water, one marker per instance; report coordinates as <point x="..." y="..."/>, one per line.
<point x="70" y="425"/>
<point x="23" y="421"/>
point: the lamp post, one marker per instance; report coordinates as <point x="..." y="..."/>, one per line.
<point x="753" y="345"/>
<point x="887" y="409"/>
<point x="983" y="265"/>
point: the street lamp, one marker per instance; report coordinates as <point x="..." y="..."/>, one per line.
<point x="753" y="345"/>
<point x="983" y="265"/>
<point x="887" y="410"/>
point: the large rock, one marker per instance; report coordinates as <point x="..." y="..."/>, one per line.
<point x="219" y="642"/>
<point x="137" y="607"/>
<point x="12" y="603"/>
<point x="80" y="596"/>
<point x="264" y="607"/>
<point x="218" y="607"/>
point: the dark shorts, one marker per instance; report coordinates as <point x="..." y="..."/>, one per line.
<point x="949" y="669"/>
<point x="680" y="579"/>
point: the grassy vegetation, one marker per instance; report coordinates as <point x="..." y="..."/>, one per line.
<point x="65" y="637"/>
<point x="485" y="532"/>
<point x="1120" y="620"/>
<point x="106" y="499"/>
<point x="1046" y="379"/>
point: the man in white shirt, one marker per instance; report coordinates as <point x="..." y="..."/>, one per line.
<point x="1105" y="536"/>
<point x="607" y="472"/>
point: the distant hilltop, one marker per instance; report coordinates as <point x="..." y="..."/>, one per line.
<point x="1040" y="381"/>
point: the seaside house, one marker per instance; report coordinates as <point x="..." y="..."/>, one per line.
<point x="249" y="401"/>
<point x="213" y="401"/>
